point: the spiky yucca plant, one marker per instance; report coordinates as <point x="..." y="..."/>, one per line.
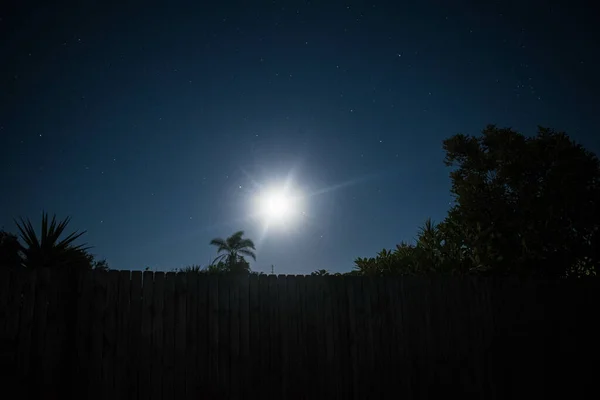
<point x="47" y="250"/>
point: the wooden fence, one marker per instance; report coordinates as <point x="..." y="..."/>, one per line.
<point x="134" y="335"/>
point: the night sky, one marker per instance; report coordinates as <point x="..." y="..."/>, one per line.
<point x="155" y="127"/>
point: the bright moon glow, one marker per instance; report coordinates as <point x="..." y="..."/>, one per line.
<point x="277" y="206"/>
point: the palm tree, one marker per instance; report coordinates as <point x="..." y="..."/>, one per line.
<point x="47" y="250"/>
<point x="233" y="250"/>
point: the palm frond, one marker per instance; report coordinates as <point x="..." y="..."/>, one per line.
<point x="249" y="253"/>
<point x="221" y="244"/>
<point x="246" y="243"/>
<point x="234" y="240"/>
<point x="238" y="234"/>
<point x="218" y="242"/>
<point x="219" y="258"/>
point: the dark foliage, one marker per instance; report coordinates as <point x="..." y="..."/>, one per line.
<point x="523" y="206"/>
<point x="46" y="250"/>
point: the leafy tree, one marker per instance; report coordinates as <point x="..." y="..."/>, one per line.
<point x="233" y="250"/>
<point x="522" y="206"/>
<point x="320" y="272"/>
<point x="525" y="205"/>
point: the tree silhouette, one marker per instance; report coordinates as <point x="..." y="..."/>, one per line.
<point x="524" y="206"/>
<point x="233" y="250"/>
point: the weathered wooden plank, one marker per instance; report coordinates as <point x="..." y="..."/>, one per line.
<point x="328" y="331"/>
<point x="374" y="327"/>
<point x="26" y="324"/>
<point x="70" y="298"/>
<point x="213" y="334"/>
<point x="398" y="339"/>
<point x="263" y="370"/>
<point x="487" y="336"/>
<point x="13" y="312"/>
<point x="441" y="313"/>
<point x="441" y="374"/>
<point x="293" y="352"/>
<point x="274" y="338"/>
<point x="245" y="361"/>
<point x="403" y="298"/>
<point x="145" y="348"/>
<point x="283" y="312"/>
<point x="224" y="336"/>
<point x="25" y="378"/>
<point x="85" y="309"/>
<point x="323" y="340"/>
<point x="38" y="340"/>
<point x="350" y="283"/>
<point x="5" y="278"/>
<point x="157" y="369"/>
<point x="428" y="348"/>
<point x="122" y="354"/>
<point x="52" y="364"/>
<point x="385" y="337"/>
<point x="134" y="337"/>
<point x="362" y="321"/>
<point x="314" y="337"/>
<point x="301" y="375"/>
<point x="6" y="345"/>
<point x="191" y="348"/>
<point x="234" y="338"/>
<point x="288" y="311"/>
<point x="417" y="309"/>
<point x="168" y="373"/>
<point x="203" y="361"/>
<point x="110" y="335"/>
<point x="331" y="322"/>
<point x="254" y="335"/>
<point x="180" y="335"/>
<point x="342" y="339"/>
<point x="369" y="325"/>
<point x="99" y="284"/>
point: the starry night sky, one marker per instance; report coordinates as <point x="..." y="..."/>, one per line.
<point x="154" y="126"/>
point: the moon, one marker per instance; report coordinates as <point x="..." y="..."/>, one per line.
<point x="278" y="205"/>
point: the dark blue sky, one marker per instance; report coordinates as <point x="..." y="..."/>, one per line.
<point x="154" y="126"/>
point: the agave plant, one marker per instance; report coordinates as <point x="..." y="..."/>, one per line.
<point x="47" y="250"/>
